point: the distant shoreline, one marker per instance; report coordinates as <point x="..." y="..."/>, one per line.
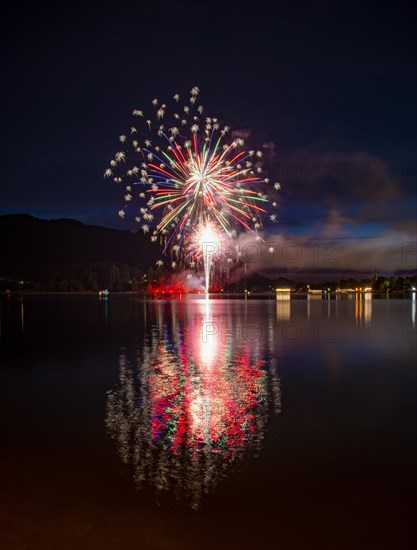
<point x="202" y="294"/>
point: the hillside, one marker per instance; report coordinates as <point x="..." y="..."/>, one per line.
<point x="30" y="246"/>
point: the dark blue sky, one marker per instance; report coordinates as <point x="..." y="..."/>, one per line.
<point x="329" y="87"/>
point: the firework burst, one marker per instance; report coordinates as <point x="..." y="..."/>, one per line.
<point x="190" y="174"/>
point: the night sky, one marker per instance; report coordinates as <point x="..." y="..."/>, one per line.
<point x="328" y="89"/>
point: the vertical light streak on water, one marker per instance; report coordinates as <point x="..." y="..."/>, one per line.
<point x="22" y="315"/>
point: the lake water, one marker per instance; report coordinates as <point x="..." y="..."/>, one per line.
<point x="176" y="424"/>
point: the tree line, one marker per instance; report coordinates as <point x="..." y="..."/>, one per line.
<point x="89" y="277"/>
<point x="121" y="277"/>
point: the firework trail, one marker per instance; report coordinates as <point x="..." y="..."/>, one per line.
<point x="193" y="179"/>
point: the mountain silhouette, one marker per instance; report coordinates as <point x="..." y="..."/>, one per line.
<point x="30" y="246"/>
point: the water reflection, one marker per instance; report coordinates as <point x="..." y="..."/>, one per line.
<point x="363" y="309"/>
<point x="193" y="402"/>
<point x="283" y="308"/>
<point x="22" y="315"/>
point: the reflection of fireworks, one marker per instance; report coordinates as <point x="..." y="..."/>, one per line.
<point x="190" y="172"/>
<point x="193" y="414"/>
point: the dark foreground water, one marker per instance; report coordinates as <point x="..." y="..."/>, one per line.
<point x="185" y="424"/>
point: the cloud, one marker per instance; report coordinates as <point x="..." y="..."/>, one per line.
<point x="360" y="187"/>
<point x="269" y="151"/>
<point x="242" y="133"/>
<point x="337" y="175"/>
<point x="334" y="246"/>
